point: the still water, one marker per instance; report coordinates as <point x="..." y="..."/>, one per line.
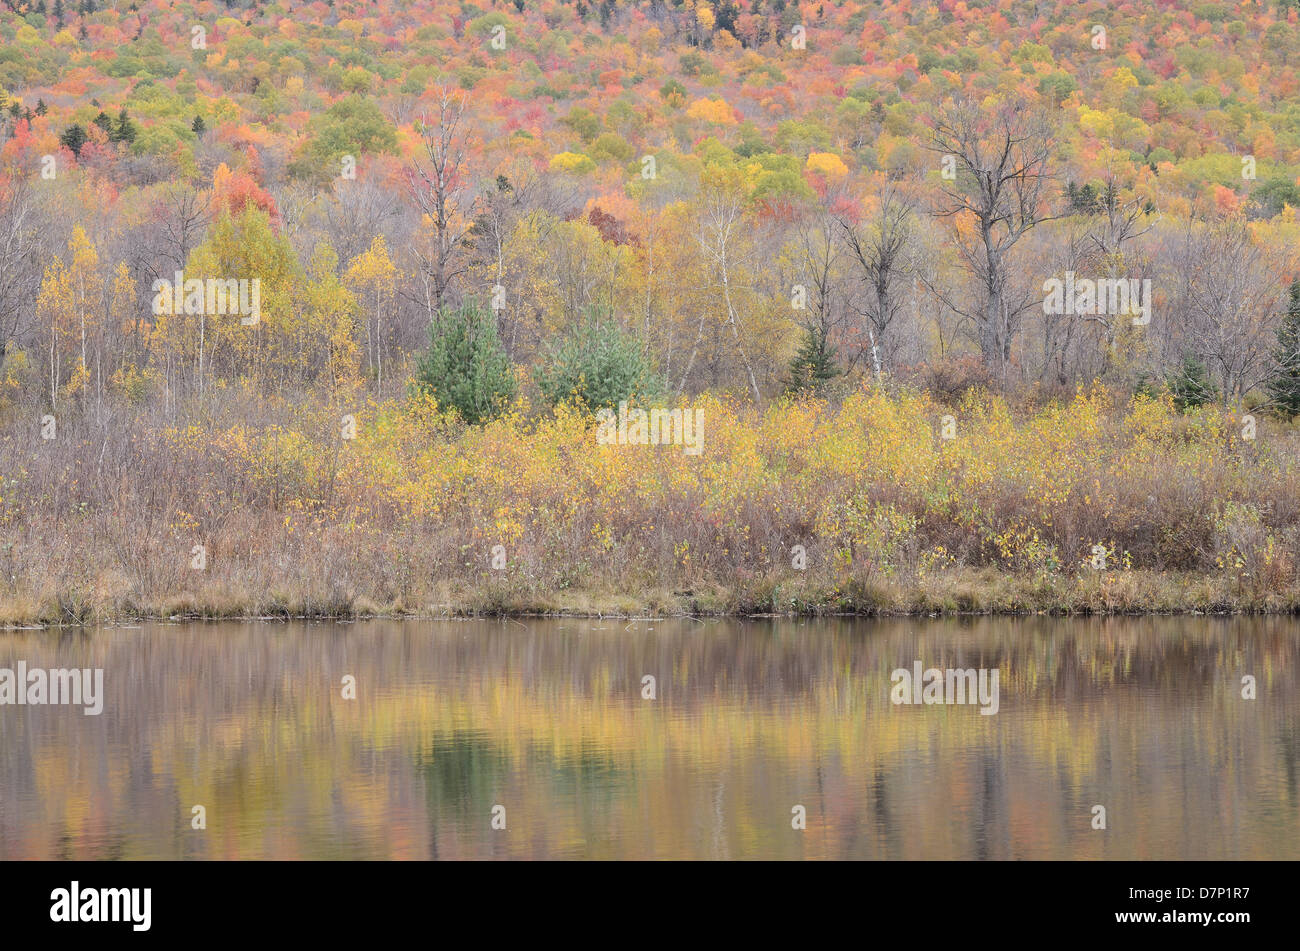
<point x="750" y="719"/>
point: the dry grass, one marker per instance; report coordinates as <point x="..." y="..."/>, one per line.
<point x="100" y="524"/>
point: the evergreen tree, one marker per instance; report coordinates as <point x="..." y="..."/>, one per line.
<point x="73" y="138"/>
<point x="1284" y="385"/>
<point x="1083" y="201"/>
<point x="465" y="367"/>
<point x="124" y="131"/>
<point x="597" y="366"/>
<point x="198" y="127"/>
<point x="1146" y="387"/>
<point x="1191" y="384"/>
<point x="814" y="365"/>
<point x="104" y="122"/>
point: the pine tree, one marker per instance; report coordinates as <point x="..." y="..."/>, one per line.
<point x="465" y="367"/>
<point x="1146" y="387"/>
<point x="598" y="365"/>
<point x="73" y="138"/>
<point x="814" y="365"/>
<point x="124" y="131"/>
<point x="198" y="127"/>
<point x="1284" y="385"/>
<point x="1191" y="384"/>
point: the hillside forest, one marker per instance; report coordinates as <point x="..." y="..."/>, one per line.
<point x="316" y="308"/>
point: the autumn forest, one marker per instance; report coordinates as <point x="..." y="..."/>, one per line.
<point x="341" y="308"/>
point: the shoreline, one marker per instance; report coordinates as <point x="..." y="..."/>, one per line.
<point x="973" y="594"/>
<point x="123" y="621"/>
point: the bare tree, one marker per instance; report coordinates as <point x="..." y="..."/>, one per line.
<point x="358" y="212"/>
<point x="1228" y="303"/>
<point x="437" y="188"/>
<point x="1120" y="225"/>
<point x="1000" y="160"/>
<point x="20" y="272"/>
<point x="182" y="217"/>
<point x="880" y="246"/>
<point x="721" y="223"/>
<point x="1066" y="350"/>
<point x="1122" y="222"/>
<point x="819" y="254"/>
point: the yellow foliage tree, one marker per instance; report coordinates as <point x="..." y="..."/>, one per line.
<point x="70" y="303"/>
<point x="827" y="164"/>
<point x="373" y="277"/>
<point x="717" y="111"/>
<point x="327" y="318"/>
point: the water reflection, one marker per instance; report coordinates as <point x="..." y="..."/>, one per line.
<point x="546" y="718"/>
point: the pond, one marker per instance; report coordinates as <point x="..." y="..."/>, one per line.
<point x="660" y="739"/>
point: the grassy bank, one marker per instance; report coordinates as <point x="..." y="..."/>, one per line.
<point x="970" y="592"/>
<point x="250" y="508"/>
